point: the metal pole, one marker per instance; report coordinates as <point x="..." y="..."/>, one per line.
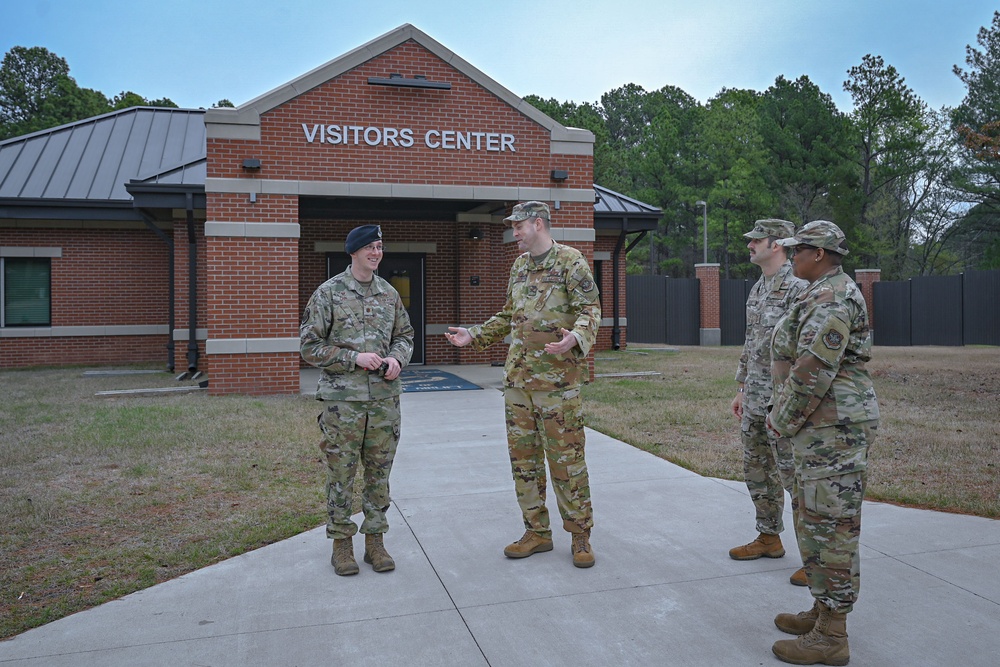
<point x="704" y="243"/>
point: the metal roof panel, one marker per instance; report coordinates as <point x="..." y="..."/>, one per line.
<point x="92" y="159"/>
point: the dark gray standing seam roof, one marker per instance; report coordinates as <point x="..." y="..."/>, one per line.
<point x="91" y="160"/>
<point x="614" y="204"/>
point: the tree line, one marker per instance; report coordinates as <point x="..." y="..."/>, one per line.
<point x="916" y="190"/>
<point x="37" y="92"/>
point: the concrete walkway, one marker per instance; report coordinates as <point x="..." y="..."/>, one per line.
<point x="663" y="591"/>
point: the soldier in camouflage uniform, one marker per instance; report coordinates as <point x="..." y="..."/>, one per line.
<point x="824" y="401"/>
<point x="357" y="331"/>
<point x="552" y="314"/>
<point x="767" y="461"/>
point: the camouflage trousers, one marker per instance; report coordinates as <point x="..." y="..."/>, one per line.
<point x="353" y="431"/>
<point x="828" y="520"/>
<point x="542" y="426"/>
<point x="768" y="469"/>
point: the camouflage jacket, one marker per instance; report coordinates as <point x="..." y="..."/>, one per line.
<point x="818" y="353"/>
<point x="542" y="298"/>
<point x="769" y="299"/>
<point x="340" y="322"/>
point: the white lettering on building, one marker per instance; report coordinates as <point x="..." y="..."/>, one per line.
<point x="403" y="137"/>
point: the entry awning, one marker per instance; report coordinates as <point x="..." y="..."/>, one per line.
<point x="615" y="212"/>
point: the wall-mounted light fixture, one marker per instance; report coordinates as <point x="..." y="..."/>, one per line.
<point x="559" y="174"/>
<point x="476" y="234"/>
<point x="418" y="81"/>
<point x="251" y="163"/>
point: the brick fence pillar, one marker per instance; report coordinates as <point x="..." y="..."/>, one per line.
<point x="866" y="279"/>
<point x="711" y="328"/>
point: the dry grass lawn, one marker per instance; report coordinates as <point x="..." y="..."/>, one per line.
<point x="103" y="496"/>
<point x="938" y="444"/>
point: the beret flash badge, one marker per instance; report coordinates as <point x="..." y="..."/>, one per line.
<point x="833" y="339"/>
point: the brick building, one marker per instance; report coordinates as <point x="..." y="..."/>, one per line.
<point x="199" y="235"/>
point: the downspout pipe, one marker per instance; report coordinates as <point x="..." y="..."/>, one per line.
<point x="616" y="329"/>
<point x="148" y="219"/>
<point x="192" y="349"/>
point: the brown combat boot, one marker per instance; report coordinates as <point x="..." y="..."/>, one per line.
<point x="764" y="545"/>
<point x="825" y="644"/>
<point x="583" y="555"/>
<point x="799" y="578"/>
<point x="343" y="557"/>
<point x="530" y="543"/>
<point x="376" y="555"/>
<point x="800" y="623"/>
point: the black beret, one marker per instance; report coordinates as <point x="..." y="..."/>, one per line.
<point x="362" y="236"/>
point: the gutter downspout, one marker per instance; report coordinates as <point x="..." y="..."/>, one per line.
<point x="192" y="353"/>
<point x="148" y="219"/>
<point x="616" y="329"/>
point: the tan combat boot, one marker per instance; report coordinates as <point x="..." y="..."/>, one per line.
<point x="583" y="555"/>
<point x="343" y="557"/>
<point x="800" y="623"/>
<point x="799" y="578"/>
<point x="825" y="644"/>
<point x="764" y="545"/>
<point x="530" y="543"/>
<point x="376" y="555"/>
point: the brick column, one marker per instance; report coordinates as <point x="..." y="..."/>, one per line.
<point x="251" y="291"/>
<point x="866" y="279"/>
<point x="711" y="328"/>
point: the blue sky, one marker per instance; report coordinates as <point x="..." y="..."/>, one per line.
<point x="199" y="51"/>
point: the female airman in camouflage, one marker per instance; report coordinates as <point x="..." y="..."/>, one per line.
<point x="824" y="401"/>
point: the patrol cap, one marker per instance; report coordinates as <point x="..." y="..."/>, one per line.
<point x="819" y="234"/>
<point x="779" y="229"/>
<point x="361" y="236"/>
<point x="529" y="209"/>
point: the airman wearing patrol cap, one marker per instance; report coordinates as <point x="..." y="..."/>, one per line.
<point x="824" y="402"/>
<point x="819" y="234"/>
<point x="552" y="315"/>
<point x="767" y="461"/>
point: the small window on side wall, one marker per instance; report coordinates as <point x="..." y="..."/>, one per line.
<point x="26" y="293"/>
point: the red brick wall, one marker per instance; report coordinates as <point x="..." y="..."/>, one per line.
<point x="866" y="279"/>
<point x="105" y="277"/>
<point x="708" y="275"/>
<point x="607" y="286"/>
<point x="349" y="100"/>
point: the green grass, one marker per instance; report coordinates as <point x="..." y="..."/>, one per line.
<point x="104" y="496"/>
<point x="938" y="444"/>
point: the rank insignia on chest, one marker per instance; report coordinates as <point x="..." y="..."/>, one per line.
<point x="833" y="339"/>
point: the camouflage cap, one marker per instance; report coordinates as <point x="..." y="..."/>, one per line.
<point x="779" y="229"/>
<point x="529" y="209"/>
<point x="819" y="234"/>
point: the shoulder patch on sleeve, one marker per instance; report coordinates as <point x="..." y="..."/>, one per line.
<point x="833" y="339"/>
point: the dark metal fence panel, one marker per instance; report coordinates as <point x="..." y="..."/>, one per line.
<point x="733" y="294"/>
<point x="662" y="310"/>
<point x="981" y="307"/>
<point x="683" y="311"/>
<point x="645" y="308"/>
<point x="936" y="310"/>
<point x="892" y="313"/>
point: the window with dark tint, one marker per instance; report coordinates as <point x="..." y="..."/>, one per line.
<point x="26" y="292"/>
